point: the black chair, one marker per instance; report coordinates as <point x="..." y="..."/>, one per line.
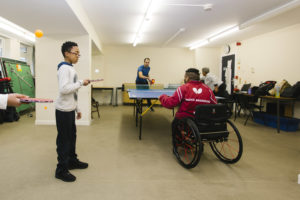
<point x="228" y="99"/>
<point x="248" y="104"/>
<point x="237" y="107"/>
<point x="211" y="125"/>
<point x="95" y="104"/>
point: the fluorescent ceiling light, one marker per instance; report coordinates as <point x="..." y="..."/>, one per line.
<point x="271" y="13"/>
<point x="16" y="30"/>
<point x="145" y="21"/>
<point x="199" y="44"/>
<point x="174" y="36"/>
<point x="136" y="41"/>
<point x="224" y="33"/>
<point x="206" y="7"/>
<point x="214" y="37"/>
<point x="265" y="16"/>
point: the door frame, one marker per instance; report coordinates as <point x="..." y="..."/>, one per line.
<point x="225" y="60"/>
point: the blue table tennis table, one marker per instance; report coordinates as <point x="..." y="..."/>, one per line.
<point x="139" y="95"/>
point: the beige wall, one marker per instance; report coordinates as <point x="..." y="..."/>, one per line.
<point x="98" y="63"/>
<point x="272" y="56"/>
<point x="209" y="57"/>
<point x="48" y="55"/>
<point x="121" y="63"/>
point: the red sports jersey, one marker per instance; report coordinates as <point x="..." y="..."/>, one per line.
<point x="188" y="96"/>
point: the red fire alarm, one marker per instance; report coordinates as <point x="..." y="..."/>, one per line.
<point x="238" y="43"/>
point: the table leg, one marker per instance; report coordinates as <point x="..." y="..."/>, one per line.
<point x="134" y="105"/>
<point x="141" y="117"/>
<point x="116" y="97"/>
<point x="136" y="113"/>
<point x="141" y="121"/>
<point x="278" y="117"/>
<point x="112" y="96"/>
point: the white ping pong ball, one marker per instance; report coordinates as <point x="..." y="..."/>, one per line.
<point x="96" y="70"/>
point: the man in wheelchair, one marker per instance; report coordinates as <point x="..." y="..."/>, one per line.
<point x="188" y="96"/>
<point x="199" y="112"/>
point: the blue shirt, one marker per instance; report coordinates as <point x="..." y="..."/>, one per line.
<point x="145" y="72"/>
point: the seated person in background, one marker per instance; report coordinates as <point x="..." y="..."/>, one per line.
<point x="218" y="87"/>
<point x="188" y="96"/>
<point x="221" y="91"/>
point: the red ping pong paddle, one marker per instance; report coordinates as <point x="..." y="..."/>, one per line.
<point x="152" y="81"/>
<point x="96" y="80"/>
<point x="35" y="100"/>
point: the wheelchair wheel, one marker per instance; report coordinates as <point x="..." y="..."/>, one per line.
<point x="229" y="150"/>
<point x="187" y="145"/>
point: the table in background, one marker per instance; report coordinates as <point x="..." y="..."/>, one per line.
<point x="279" y="100"/>
<point x="116" y="96"/>
<point x="105" y="88"/>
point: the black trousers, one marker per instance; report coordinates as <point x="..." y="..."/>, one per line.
<point x="143" y="86"/>
<point x="66" y="139"/>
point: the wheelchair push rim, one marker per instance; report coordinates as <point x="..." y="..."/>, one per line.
<point x="229" y="150"/>
<point x="187" y="145"/>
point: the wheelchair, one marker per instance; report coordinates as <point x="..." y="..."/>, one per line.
<point x="210" y="125"/>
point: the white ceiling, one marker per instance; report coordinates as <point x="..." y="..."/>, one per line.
<point x="54" y="17"/>
<point x="116" y="21"/>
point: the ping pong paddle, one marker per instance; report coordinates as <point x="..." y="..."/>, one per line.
<point x="35" y="100"/>
<point x="96" y="80"/>
<point x="152" y="81"/>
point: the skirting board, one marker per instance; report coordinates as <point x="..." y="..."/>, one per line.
<point x="52" y="122"/>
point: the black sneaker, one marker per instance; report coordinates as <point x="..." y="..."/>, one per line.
<point x="65" y="176"/>
<point x="77" y="165"/>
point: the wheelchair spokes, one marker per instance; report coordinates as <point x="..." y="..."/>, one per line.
<point x="186" y="144"/>
<point x="229" y="150"/>
<point x="210" y="125"/>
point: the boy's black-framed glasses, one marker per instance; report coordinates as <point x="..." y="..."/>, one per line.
<point x="76" y="54"/>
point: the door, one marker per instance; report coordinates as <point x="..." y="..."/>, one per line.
<point x="228" y="66"/>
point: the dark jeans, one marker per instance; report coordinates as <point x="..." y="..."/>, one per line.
<point x="66" y="139"/>
<point x="143" y="86"/>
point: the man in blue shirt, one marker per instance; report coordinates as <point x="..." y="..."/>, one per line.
<point x="143" y="77"/>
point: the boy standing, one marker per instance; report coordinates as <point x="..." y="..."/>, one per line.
<point x="66" y="106"/>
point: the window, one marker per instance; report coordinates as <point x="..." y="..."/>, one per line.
<point x="27" y="55"/>
<point x="23" y="52"/>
